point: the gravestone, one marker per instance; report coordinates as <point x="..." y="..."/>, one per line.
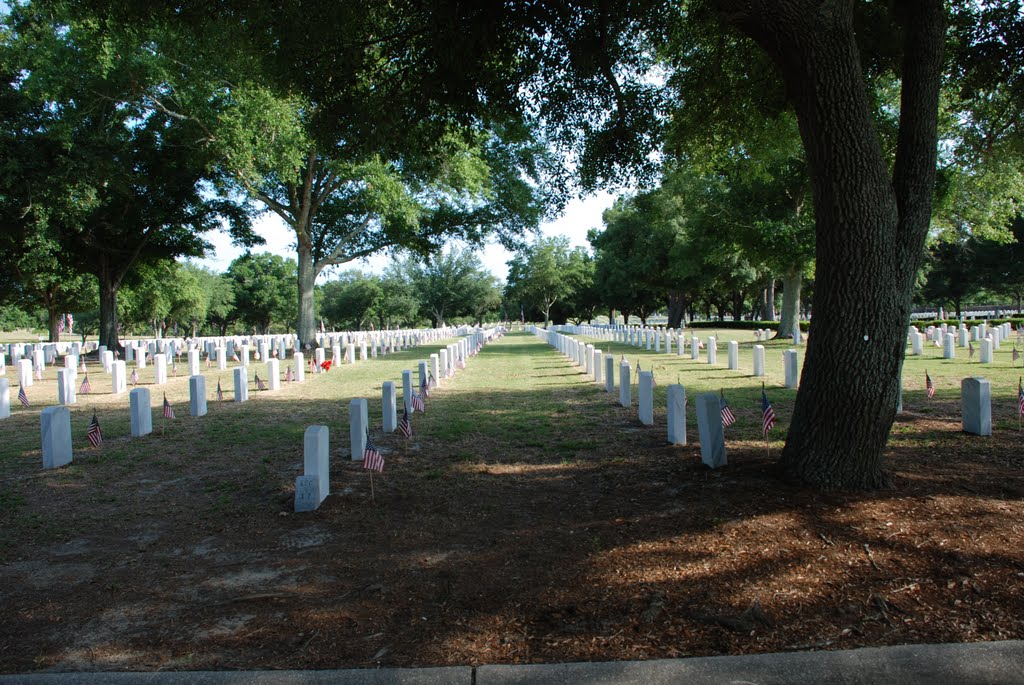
<point x="55" y="427"/>
<point x="312" y="488"/>
<point x="680" y="343"/>
<point x="676" y="414"/>
<point x="273" y="374"/>
<point x="986" y="351"/>
<point x="694" y="348"/>
<point x="358" y="420"/>
<point x="435" y="367"/>
<point x="118" y="377"/>
<point x="949" y="346"/>
<point x="241" y="375"/>
<point x="299" y="360"/>
<point x="588" y="360"/>
<point x="597" y="365"/>
<point x="645" y="397"/>
<point x="244" y="355"/>
<point x="141" y="413"/>
<point x="107" y="360"/>
<point x="222" y="358"/>
<point x="197" y="395"/>
<point x="657" y="341"/>
<point x="710" y="430"/>
<point x="350" y="353"/>
<point x="193" y="362"/>
<point x="625" y="388"/>
<point x="70" y="361"/>
<point x="159" y="369"/>
<point x="976" y="406"/>
<point x="962" y="337"/>
<point x="407" y="390"/>
<point x="758" y="360"/>
<point x="609" y="373"/>
<point x="390" y="408"/>
<point x="319" y="358"/>
<point x="916" y="343"/>
<point x="66" y="386"/>
<point x="712" y="350"/>
<point x="734" y="355"/>
<point x="140" y="359"/>
<point x="789" y="360"/>
<point x="421" y="369"/>
<point x="443" y="363"/>
<point x="5" y="398"/>
<point x="25" y="378"/>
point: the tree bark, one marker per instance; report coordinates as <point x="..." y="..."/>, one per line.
<point x="109" y="285"/>
<point x="789" y="318"/>
<point x="869" y="229"/>
<point x="307" y="279"/>
<point x="676" y="308"/>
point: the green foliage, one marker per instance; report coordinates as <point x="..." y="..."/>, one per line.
<point x="264" y="290"/>
<point x="544" y="273"/>
<point x="351" y="301"/>
<point x="450" y="286"/>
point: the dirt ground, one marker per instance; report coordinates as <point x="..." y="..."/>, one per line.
<point x="600" y="543"/>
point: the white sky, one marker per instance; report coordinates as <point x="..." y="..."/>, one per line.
<point x="579" y="217"/>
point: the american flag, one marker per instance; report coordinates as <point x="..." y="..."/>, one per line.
<point x="234" y="356"/>
<point x="970" y="349"/>
<point x="461" y="363"/>
<point x="372" y="458"/>
<point x="60" y="324"/>
<point x="134" y="378"/>
<point x="425" y="388"/>
<point x="22" y="397"/>
<point x="1020" y="399"/>
<point x="418" y="404"/>
<point x="928" y="385"/>
<point x="86" y="386"/>
<point x="71" y="323"/>
<point x="274" y="352"/>
<point x="94" y="435"/>
<point x="220" y="393"/>
<point x="767" y="413"/>
<point x="449" y="372"/>
<point x="256" y="355"/>
<point x="260" y="385"/>
<point x="288" y="375"/>
<point x="168" y="412"/>
<point x="1016" y="354"/>
<point x="405" y="425"/>
<point x="728" y="418"/>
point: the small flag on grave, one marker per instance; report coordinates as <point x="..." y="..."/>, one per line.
<point x="168" y="412"/>
<point x="86" y="386"/>
<point x="928" y="385"/>
<point x="22" y="397"/>
<point x="1016" y="355"/>
<point x="728" y="418"/>
<point x="767" y="413"/>
<point x="234" y="356"/>
<point x="260" y="385"/>
<point x="418" y="404"/>
<point x="60" y="325"/>
<point x="449" y="372"/>
<point x="220" y="393"/>
<point x="288" y="375"/>
<point x="1020" y="399"/>
<point x="461" y="363"/>
<point x="94" y="435"/>
<point x="405" y="425"/>
<point x="372" y="458"/>
<point x="134" y="378"/>
<point x="425" y="389"/>
<point x="970" y="349"/>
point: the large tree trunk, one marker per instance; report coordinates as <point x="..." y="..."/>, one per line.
<point x="676" y="308"/>
<point x="307" y="280"/>
<point x="109" y="285"/>
<point x="768" y="303"/>
<point x="53" y="324"/>
<point x="789" y="318"/>
<point x="869" y="229"/>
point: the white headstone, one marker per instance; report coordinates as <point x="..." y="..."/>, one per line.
<point x="159" y="369"/>
<point x="358" y="420"/>
<point x="949" y="346"/>
<point x="407" y="390"/>
<point x="694" y="347"/>
<point x="55" y="427"/>
<point x="5" y="398"/>
<point x="197" y="395"/>
<point x="976" y="406"/>
<point x="986" y="351"/>
<point x="758" y="360"/>
<point x="710" y="431"/>
<point x="118" y="377"/>
<point x="273" y="374"/>
<point x="299" y="360"/>
<point x="645" y="397"/>
<point x="25" y="378"/>
<point x="625" y="389"/>
<point x="609" y="373"/>
<point x="390" y="407"/>
<point x="316" y="459"/>
<point x="676" y="414"/>
<point x="597" y="364"/>
<point x="789" y="360"/>
<point x="66" y="386"/>
<point x="241" y="375"/>
<point x="435" y="368"/>
<point x="140" y="411"/>
<point x="734" y="355"/>
<point x="712" y="350"/>
<point x="107" y="360"/>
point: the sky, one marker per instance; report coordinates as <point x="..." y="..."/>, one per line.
<point x="580" y="215"/>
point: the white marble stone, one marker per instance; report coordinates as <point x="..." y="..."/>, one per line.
<point x="159" y="369"/>
<point x="241" y="377"/>
<point x="299" y="360"/>
<point x="407" y="391"/>
<point x="273" y="374"/>
<point x="316" y="460"/>
<point x="986" y="351"/>
<point x="759" y="360"/>
<point x="734" y="355"/>
<point x="609" y="373"/>
<point x="67" y="388"/>
<point x="625" y="388"/>
<point x="118" y="377"/>
<point x="25" y="375"/>
<point x="388" y="400"/>
<point x="712" y="350"/>
<point x="676" y="409"/>
<point x="790" y="363"/>
<point x="976" y="406"/>
<point x="197" y="395"/>
<point x="949" y="346"/>
<point x="141" y="413"/>
<point x="710" y="430"/>
<point x="55" y="429"/>
<point x="5" y="398"/>
<point x="645" y="398"/>
<point x="358" y="420"/>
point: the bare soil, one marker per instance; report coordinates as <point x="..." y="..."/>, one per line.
<point x="597" y="542"/>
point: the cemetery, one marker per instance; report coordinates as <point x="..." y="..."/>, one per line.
<point x="530" y="516"/>
<point x="421" y="339"/>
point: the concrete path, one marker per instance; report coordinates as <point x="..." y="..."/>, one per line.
<point x="995" y="663"/>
